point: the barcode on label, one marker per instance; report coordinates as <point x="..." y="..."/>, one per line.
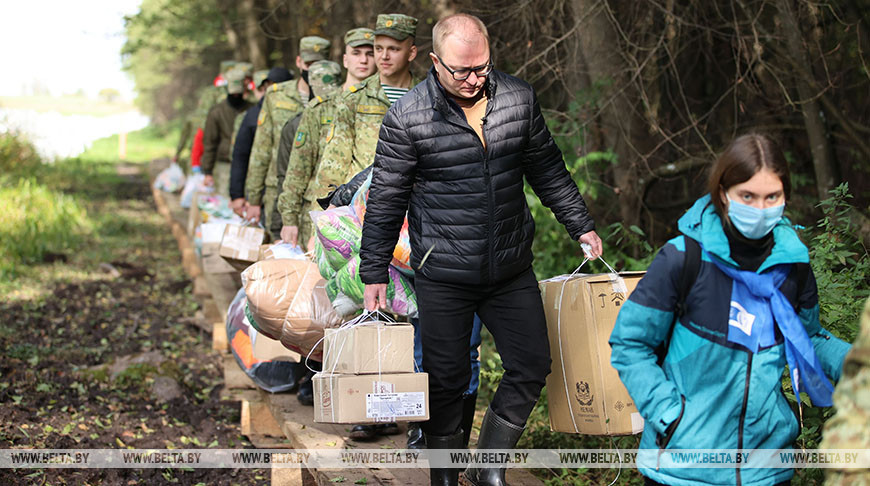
<point x="389" y="406"/>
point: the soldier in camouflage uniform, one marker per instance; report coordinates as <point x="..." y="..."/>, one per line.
<point x="359" y="113"/>
<point x="218" y="131"/>
<point x="315" y="130"/>
<point x="282" y="103"/>
<point x="325" y="79"/>
<point x="849" y="428"/>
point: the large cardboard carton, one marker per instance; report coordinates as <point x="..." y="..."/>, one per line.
<point x="240" y="245"/>
<point x="361" y="399"/>
<point x="372" y="347"/>
<point x="584" y="392"/>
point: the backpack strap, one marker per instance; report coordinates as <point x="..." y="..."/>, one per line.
<point x="691" y="266"/>
<point x="800" y="272"/>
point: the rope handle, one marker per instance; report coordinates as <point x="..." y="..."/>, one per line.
<point x="366" y="317"/>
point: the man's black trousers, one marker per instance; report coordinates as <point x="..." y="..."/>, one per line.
<point x="513" y="313"/>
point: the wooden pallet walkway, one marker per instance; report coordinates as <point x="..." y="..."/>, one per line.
<point x="279" y="421"/>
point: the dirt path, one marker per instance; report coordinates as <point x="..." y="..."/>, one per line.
<point x="107" y="358"/>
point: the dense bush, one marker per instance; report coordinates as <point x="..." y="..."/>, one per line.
<point x="36" y="220"/>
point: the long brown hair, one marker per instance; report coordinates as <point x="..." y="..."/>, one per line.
<point x="741" y="160"/>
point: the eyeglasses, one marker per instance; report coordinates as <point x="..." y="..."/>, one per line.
<point x="463" y="74"/>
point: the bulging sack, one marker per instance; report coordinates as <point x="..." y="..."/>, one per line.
<point x="402" y="252"/>
<point x="269" y="374"/>
<point x="339" y="233"/>
<point x="278" y="288"/>
<point x="302" y="331"/>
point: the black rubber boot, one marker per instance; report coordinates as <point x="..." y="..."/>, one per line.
<point x="305" y="394"/>
<point x="416" y="440"/>
<point x="363" y="432"/>
<point x="446" y="476"/>
<point x="495" y="433"/>
<point x="469" y="404"/>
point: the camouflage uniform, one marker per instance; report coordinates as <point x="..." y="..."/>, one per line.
<point x="358" y="117"/>
<point x="301" y="143"/>
<point x="849" y="428"/>
<point x="282" y="103"/>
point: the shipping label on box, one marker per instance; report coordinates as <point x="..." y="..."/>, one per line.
<point x="372" y="347"/>
<point x="359" y="399"/>
<point x="584" y="392"/>
<point x="242" y="242"/>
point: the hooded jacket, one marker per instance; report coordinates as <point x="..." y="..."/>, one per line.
<point x="467" y="212"/>
<point x="717" y="394"/>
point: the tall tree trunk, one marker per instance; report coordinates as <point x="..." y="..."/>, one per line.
<point x="233" y="38"/>
<point x="624" y="129"/>
<point x="255" y="39"/>
<point x="827" y="172"/>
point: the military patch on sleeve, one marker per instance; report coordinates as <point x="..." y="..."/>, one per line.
<point x="300" y="139"/>
<point x="330" y="133"/>
<point x="371" y="109"/>
<point x="262" y="117"/>
<point x="287" y="105"/>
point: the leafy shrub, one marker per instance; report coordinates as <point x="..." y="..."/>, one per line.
<point x="37" y="221"/>
<point x="17" y="155"/>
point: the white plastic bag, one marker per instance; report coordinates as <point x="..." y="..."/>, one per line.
<point x="193" y="185"/>
<point x="170" y="179"/>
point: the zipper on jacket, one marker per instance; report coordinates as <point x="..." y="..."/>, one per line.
<point x="489" y="198"/>
<point x="743" y="413"/>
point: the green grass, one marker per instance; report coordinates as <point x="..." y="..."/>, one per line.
<point x="142" y="146"/>
<point x="66" y="105"/>
<point x="85" y="209"/>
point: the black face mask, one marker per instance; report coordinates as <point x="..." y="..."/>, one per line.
<point x="305" y="77"/>
<point x="236" y="100"/>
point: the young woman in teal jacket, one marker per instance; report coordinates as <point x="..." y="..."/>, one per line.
<point x="753" y="308"/>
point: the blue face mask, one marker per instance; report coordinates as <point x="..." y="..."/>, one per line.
<point x="752" y="222"/>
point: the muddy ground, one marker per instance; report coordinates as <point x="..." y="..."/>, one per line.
<point x="107" y="357"/>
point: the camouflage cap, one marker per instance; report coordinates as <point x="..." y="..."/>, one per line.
<point x="246" y="68"/>
<point x="313" y="48"/>
<point x="235" y="81"/>
<point x="227" y="65"/>
<point x="260" y="76"/>
<point x="325" y="77"/>
<point x="397" y="26"/>
<point x="359" y="37"/>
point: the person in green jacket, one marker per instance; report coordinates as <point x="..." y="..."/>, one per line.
<point x="218" y="132"/>
<point x="283" y="102"/>
<point x="315" y="130"/>
<point x="360" y="112"/>
<point x="325" y="79"/>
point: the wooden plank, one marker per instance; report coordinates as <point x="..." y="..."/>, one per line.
<point x="257" y="420"/>
<point x="219" y="341"/>
<point x="223" y="288"/>
<point x="288" y="476"/>
<point x="297" y="423"/>
<point x="234" y="376"/>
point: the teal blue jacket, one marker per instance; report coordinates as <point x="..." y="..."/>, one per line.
<point x="718" y="394"/>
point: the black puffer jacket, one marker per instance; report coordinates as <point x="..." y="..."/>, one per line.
<point x="464" y="203"/>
